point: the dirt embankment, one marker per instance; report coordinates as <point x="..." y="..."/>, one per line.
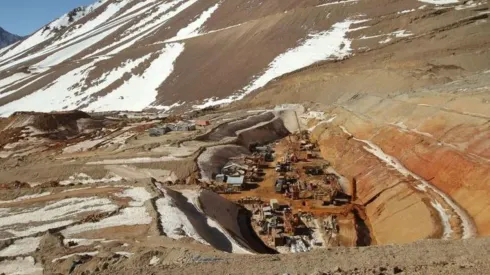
<point x="199" y="221"/>
<point x="47" y="121"/>
<point x="263" y="132"/>
<point x="230" y="129"/>
<point x="387" y="197"/>
<point x="214" y="158"/>
<point x="262" y="129"/>
<point x="419" y="161"/>
<point x="234" y="219"/>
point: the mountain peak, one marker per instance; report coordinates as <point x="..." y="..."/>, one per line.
<point x="7" y="38"/>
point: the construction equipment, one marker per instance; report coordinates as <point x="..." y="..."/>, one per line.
<point x="280" y="185"/>
<point x="291" y="221"/>
<point x="283" y="167"/>
<point x="313" y="170"/>
<point x="294" y="191"/>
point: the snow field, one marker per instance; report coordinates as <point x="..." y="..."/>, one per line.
<point x="21" y="247"/>
<point x="138" y="195"/>
<point x="53" y="215"/>
<point x="127" y="96"/>
<point x="86" y="34"/>
<point x="12" y="79"/>
<point x="21" y="266"/>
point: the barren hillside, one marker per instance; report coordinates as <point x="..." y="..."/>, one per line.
<point x="171" y="136"/>
<point x="135" y="54"/>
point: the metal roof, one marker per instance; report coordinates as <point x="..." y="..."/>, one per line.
<point x="235" y="180"/>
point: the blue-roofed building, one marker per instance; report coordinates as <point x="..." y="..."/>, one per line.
<point x="236" y="182"/>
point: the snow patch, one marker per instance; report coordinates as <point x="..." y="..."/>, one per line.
<point x="72" y="50"/>
<point x="440" y="2"/>
<point x="28" y="197"/>
<point x="21" y="266"/>
<point x="174" y="222"/>
<point x="154" y="260"/>
<point x="150" y="23"/>
<point x="127" y="96"/>
<point x="406" y="11"/>
<point x="175" y="39"/>
<point x="21" y="247"/>
<point x="83" y="178"/>
<point x="12" y="79"/>
<point x="48" y="98"/>
<point x="338" y="2"/>
<point x="138" y="195"/>
<point x="446" y="225"/>
<point x="75" y="254"/>
<point x="133" y="160"/>
<point x="54" y="215"/>
<point x="37" y="229"/>
<point x="468" y="5"/>
<point x="326" y="45"/>
<point x="124" y="253"/>
<point x="345" y="130"/>
<point x="193" y="28"/>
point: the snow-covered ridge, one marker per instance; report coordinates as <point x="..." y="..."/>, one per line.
<point x="124" y="43"/>
<point x="50" y="30"/>
<point x="128" y="23"/>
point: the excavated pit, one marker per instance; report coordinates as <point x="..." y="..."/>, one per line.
<point x="238" y="136"/>
<point x="392" y="200"/>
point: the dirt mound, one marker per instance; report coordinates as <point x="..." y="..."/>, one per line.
<point x="200" y="222"/>
<point x="234" y="219"/>
<point x="263" y="132"/>
<point x="232" y="128"/>
<point x="214" y="158"/>
<point x="47" y="122"/>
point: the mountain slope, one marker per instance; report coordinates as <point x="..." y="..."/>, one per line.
<point x="161" y="54"/>
<point x="7" y="38"/>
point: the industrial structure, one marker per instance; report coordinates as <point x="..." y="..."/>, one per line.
<point x="296" y="197"/>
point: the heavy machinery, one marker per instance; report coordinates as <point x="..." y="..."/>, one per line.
<point x="313" y="170"/>
<point x="291" y="222"/>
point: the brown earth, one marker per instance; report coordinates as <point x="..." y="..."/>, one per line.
<point x="428" y="257"/>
